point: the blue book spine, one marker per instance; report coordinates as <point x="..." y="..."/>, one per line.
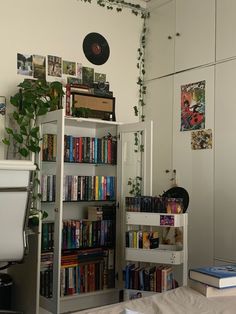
<point x="95" y="150"/>
<point x="71" y="148"/>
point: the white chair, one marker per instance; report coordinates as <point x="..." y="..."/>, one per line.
<point x="15" y="200"/>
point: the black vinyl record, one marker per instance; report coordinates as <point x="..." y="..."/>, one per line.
<point x="178" y="192"/>
<point x="96" y="48"/>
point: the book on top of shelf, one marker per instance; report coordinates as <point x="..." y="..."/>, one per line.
<point x="209" y="291"/>
<point x="216" y="276"/>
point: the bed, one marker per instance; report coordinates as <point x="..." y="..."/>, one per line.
<point x="182" y="300"/>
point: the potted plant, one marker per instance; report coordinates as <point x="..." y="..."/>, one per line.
<point x="34" y="99"/>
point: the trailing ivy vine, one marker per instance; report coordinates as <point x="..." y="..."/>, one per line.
<point x="137" y="10"/>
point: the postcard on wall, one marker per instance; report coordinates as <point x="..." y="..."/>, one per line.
<point x="69" y="67"/>
<point x="54" y="66"/>
<point x="88" y="75"/>
<point x="24" y="64"/>
<point x="193" y="106"/>
<point x="201" y="139"/>
<point x="79" y="71"/>
<point x="39" y="67"/>
<point x="99" y="77"/>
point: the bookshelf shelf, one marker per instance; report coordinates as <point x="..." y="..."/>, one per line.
<point x="154" y="219"/>
<point x="164" y="258"/>
<point x="68" y="190"/>
<point x="159" y="256"/>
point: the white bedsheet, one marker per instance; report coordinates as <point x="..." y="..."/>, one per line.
<point x="182" y="300"/>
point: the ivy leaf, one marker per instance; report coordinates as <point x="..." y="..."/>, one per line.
<point x="34" y="132"/>
<point x="44" y="215"/>
<point x="9" y="131"/>
<point x="24" y="152"/>
<point x="18" y="138"/>
<point x="6" y="141"/>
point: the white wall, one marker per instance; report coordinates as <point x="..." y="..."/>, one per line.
<point x="58" y="27"/>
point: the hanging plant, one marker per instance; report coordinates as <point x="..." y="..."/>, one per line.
<point x="138" y="145"/>
<point x="136" y="9"/>
<point x="34" y="99"/>
<point x="138" y="109"/>
<point x="135" y="186"/>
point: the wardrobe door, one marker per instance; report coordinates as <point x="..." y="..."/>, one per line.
<point x="225" y="162"/>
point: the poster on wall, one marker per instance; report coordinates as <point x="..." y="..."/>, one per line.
<point x="193" y="106"/>
<point x="24" y="64"/>
<point x="201" y="139"/>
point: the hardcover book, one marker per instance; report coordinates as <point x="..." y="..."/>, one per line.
<point x="209" y="291"/>
<point x="215" y="276"/>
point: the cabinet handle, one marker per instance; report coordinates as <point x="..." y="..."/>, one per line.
<point x="177" y="34"/>
<point x="169" y="37"/>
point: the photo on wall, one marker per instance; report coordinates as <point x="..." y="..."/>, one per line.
<point x="54" y="66"/>
<point x="201" y="139"/>
<point x="69" y="67"/>
<point x="24" y="64"/>
<point x="88" y="75"/>
<point x="99" y="77"/>
<point x="79" y="71"/>
<point x="39" y="67"/>
<point x="193" y="106"/>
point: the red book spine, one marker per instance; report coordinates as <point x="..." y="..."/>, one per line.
<point x="109" y="159"/>
<point x="68" y="101"/>
<point x="80" y="149"/>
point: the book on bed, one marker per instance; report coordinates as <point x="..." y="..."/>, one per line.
<point x="209" y="291"/>
<point x="215" y="276"/>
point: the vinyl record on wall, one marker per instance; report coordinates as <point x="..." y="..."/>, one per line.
<point x="96" y="48"/>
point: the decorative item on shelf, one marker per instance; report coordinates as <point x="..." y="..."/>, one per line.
<point x="96" y="48"/>
<point x="178" y="193"/>
<point x="98" y="107"/>
<point x="81" y="112"/>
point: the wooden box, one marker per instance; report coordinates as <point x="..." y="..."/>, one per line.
<point x="99" y="107"/>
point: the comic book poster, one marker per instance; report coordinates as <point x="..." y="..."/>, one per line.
<point x="193" y="106"/>
<point x="201" y="139"/>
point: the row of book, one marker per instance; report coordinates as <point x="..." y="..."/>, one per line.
<point x="81" y="272"/>
<point x="80" y="234"/>
<point x="154" y="204"/>
<point x="85" y="233"/>
<point x="79" y="188"/>
<point x="150" y="278"/>
<point x="81" y="149"/>
<point x="141" y="239"/>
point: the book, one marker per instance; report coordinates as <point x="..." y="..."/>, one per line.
<point x="209" y="291"/>
<point x="215" y="276"/>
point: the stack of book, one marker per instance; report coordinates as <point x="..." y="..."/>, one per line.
<point x="214" y="281"/>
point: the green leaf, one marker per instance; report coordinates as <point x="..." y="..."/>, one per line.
<point x="18" y="138"/>
<point x="34" y="132"/>
<point x="9" y="131"/>
<point x="44" y="215"/>
<point x="42" y="111"/>
<point x="24" y="152"/>
<point x="6" y="141"/>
